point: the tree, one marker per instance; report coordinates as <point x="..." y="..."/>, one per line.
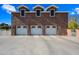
<point x="72" y="24"/>
<point x="4" y="26"/>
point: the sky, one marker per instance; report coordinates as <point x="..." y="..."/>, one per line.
<point x="6" y="9"/>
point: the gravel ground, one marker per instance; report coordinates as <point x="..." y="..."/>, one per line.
<point x="38" y="45"/>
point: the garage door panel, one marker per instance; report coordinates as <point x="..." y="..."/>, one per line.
<point x="51" y="30"/>
<point x="21" y="30"/>
<point x="36" y="30"/>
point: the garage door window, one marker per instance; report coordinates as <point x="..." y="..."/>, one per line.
<point x="47" y="26"/>
<point x="53" y="26"/>
<point x="33" y="26"/>
<point x="39" y="26"/>
<point x="24" y="26"/>
<point x="18" y="27"/>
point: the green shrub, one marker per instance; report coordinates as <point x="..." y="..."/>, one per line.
<point x="4" y="26"/>
<point x="72" y="24"/>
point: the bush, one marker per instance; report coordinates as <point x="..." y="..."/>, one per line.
<point x="4" y="26"/>
<point x="72" y="24"/>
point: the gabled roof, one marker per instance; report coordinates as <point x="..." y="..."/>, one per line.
<point x="38" y="7"/>
<point x="23" y="7"/>
<point x="51" y="7"/>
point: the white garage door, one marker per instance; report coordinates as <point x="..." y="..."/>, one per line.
<point x="36" y="30"/>
<point x="21" y="30"/>
<point x="51" y="29"/>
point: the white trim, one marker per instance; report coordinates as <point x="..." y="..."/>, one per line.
<point x="24" y="12"/>
<point x="62" y="11"/>
<point x="32" y="11"/>
<point x="47" y="12"/>
<point x="36" y="13"/>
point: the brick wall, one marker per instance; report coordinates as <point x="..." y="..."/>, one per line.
<point x="60" y="19"/>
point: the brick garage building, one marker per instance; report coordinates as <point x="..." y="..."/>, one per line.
<point x="39" y="21"/>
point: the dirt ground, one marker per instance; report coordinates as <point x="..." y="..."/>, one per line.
<point x="38" y="45"/>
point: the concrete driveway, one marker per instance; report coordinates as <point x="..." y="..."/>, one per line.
<point x="38" y="45"/>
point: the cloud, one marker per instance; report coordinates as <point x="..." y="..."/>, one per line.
<point x="9" y="8"/>
<point x="77" y="10"/>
